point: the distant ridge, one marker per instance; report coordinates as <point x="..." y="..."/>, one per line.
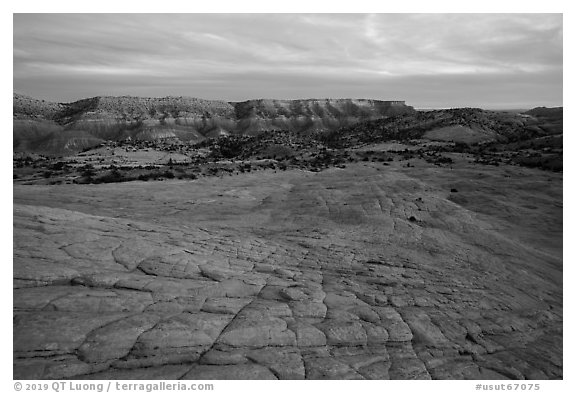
<point x="542" y="111"/>
<point x="462" y="125"/>
<point x="61" y="128"/>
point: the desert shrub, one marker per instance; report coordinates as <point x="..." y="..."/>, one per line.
<point x="460" y="147"/>
<point x="58" y="166"/>
<point x="87" y="171"/>
<point x="187" y="175"/>
<point x="444" y="160"/>
<point x="114" y="176"/>
<point x="554" y="164"/>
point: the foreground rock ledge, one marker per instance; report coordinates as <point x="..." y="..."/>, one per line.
<point x="345" y="274"/>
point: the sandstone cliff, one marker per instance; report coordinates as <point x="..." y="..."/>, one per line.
<point x="68" y="127"/>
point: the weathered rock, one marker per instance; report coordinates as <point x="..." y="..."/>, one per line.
<point x="423" y="330"/>
<point x="405" y="364"/>
<point x="397" y="329"/>
<point x="170" y="372"/>
<point x="31" y="272"/>
<point x="116" y="339"/>
<point x="343" y="333"/>
<point x="225" y="305"/>
<point x="218" y="273"/>
<point x="285" y="363"/>
<point x="337" y="283"/>
<point x="377" y="370"/>
<point x="36" y="298"/>
<point x="375" y="334"/>
<point x="308" y="309"/>
<point x="218" y="356"/>
<point x="133" y="251"/>
<point x="260" y="308"/>
<point x="184" y="336"/>
<point x="179" y="304"/>
<point x="57" y="367"/>
<point x="307" y="335"/>
<point x="50" y="333"/>
<point x="226" y="372"/>
<point x="363" y="361"/>
<point x="179" y="265"/>
<point x="98" y="251"/>
<point x="236" y="288"/>
<point x="292" y="294"/>
<point x="329" y="368"/>
<point x="367" y="314"/>
<point x="101" y="301"/>
<point x="258" y="332"/>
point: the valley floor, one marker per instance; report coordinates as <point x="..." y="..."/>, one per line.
<point x="366" y="272"/>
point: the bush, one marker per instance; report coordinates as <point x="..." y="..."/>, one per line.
<point x="191" y="176"/>
<point x="114" y="176"/>
<point x="88" y="171"/>
<point x="58" y="166"/>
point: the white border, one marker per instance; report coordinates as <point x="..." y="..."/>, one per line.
<point x="307" y="6"/>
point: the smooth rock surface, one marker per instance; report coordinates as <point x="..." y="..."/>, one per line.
<point x="296" y="275"/>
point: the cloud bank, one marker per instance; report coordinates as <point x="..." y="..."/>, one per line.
<point x="429" y="60"/>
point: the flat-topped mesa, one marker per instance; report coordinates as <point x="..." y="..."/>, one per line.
<point x="311" y="115"/>
<point x="132" y="108"/>
<point x="184" y="118"/>
<point x="334" y="108"/>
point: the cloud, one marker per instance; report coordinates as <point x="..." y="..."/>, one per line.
<point x="272" y="55"/>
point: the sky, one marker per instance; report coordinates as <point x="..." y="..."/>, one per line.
<point x="492" y="61"/>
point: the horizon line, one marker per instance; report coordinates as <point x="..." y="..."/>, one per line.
<point x="418" y="108"/>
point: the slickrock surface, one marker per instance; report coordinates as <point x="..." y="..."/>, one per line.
<point x="367" y="272"/>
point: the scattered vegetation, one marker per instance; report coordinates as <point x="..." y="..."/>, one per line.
<point x="531" y="140"/>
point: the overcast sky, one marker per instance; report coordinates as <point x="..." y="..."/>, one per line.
<point x="429" y="60"/>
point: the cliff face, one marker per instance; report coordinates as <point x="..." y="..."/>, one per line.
<point x="65" y="128"/>
<point x="311" y="115"/>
